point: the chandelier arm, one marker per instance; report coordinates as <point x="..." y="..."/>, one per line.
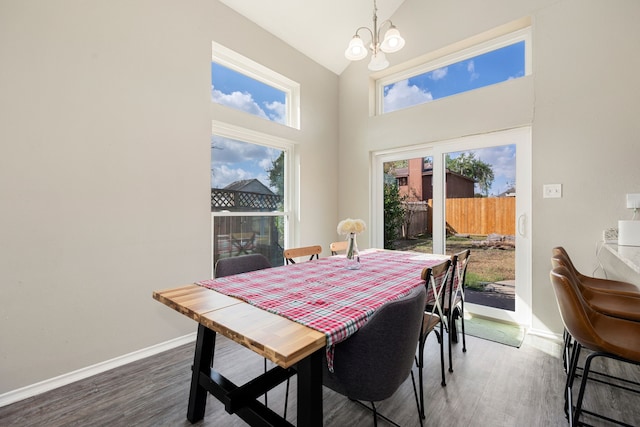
<point x="388" y="21"/>
<point x="373" y="37"/>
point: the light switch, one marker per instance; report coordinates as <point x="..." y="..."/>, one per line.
<point x="552" y="191"/>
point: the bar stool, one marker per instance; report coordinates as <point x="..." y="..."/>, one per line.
<point x="606" y="336"/>
<point x="611" y="297"/>
<point x="595" y="283"/>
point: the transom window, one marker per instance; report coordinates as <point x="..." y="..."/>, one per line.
<point x="491" y="62"/>
<point x="243" y="84"/>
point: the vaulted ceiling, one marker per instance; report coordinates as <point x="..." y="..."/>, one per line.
<point x="319" y="29"/>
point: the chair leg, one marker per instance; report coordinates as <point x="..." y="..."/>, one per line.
<point x="453" y="328"/>
<point x="415" y="393"/>
<point x="583" y="385"/>
<point x="375" y="415"/>
<point x="568" y="397"/>
<point x="451" y="335"/>
<point x="441" y="342"/>
<point x="420" y="365"/>
<point x="565" y="351"/>
<point x="464" y="341"/>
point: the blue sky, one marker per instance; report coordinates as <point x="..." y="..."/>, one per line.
<point x="234" y="160"/>
<point x="503" y="162"/>
<point x="483" y="70"/>
<point x="238" y="91"/>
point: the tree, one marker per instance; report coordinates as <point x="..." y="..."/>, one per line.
<point x="467" y="165"/>
<point x="276" y="174"/>
<point x="394" y="214"/>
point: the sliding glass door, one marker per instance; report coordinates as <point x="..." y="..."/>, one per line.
<point x="469" y="193"/>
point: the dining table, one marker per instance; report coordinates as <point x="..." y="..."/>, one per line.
<point x="292" y="315"/>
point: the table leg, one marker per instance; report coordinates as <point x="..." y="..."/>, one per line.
<point x="205" y="345"/>
<point x="310" y="390"/>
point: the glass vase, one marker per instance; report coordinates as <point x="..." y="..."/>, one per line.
<point x="353" y="256"/>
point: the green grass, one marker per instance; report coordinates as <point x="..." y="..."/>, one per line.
<point x="487" y="265"/>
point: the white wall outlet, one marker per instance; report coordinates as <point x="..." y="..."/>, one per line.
<point x="552" y="191"/>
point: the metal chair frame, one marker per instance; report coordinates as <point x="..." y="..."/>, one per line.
<point x="436" y="283"/>
<point x="455" y="303"/>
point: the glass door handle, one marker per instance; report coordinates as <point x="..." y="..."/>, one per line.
<point x="522" y="225"/>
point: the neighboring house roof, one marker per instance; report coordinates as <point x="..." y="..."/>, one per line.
<point x="249" y="185"/>
<point x="511" y="192"/>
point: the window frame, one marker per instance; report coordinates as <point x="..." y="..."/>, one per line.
<point x="243" y="65"/>
<point x="522" y="34"/>
<point x="288" y="147"/>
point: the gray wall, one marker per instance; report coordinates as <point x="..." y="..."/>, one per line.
<point x="581" y="101"/>
<point x="105" y="124"/>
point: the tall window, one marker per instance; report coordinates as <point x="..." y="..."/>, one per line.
<point x="243" y="84"/>
<point x="249" y="197"/>
<point x="251" y="173"/>
<point x="492" y="62"/>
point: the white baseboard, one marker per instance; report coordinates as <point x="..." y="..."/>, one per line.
<point x="544" y="334"/>
<point x="80" y="374"/>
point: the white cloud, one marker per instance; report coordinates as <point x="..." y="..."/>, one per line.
<point x="503" y="162"/>
<point x="438" y="74"/>
<point x="243" y="101"/>
<point x="239" y="100"/>
<point x="401" y="95"/>
<point x="223" y="175"/>
<point x="233" y="160"/>
<point x="277" y="111"/>
<point x="265" y="163"/>
<point x="471" y="68"/>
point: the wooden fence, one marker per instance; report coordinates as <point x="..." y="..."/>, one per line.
<point x="468" y="216"/>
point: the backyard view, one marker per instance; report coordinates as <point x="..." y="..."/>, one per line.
<point x="479" y="210"/>
<point x="491" y="270"/>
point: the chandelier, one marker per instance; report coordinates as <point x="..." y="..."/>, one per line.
<point x="392" y="42"/>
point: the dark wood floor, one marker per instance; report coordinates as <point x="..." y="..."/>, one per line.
<point x="493" y="385"/>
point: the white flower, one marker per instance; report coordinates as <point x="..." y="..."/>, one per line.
<point x="349" y="225"/>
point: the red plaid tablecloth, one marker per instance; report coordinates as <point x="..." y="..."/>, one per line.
<point x="324" y="295"/>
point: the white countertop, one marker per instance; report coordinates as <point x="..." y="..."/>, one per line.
<point x="630" y="255"/>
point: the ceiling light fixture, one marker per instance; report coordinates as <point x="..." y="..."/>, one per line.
<point x="392" y="42"/>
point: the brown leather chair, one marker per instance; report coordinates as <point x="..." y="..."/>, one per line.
<point x="594" y="283"/>
<point x="611" y="297"/>
<point x="605" y="336"/>
<point x="609" y="303"/>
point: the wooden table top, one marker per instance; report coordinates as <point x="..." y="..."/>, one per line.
<point x="280" y="340"/>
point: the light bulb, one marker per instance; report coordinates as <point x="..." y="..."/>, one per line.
<point x="393" y="41"/>
<point x="356" y="50"/>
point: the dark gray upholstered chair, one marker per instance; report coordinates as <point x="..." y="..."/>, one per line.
<point x="240" y="264"/>
<point x="373" y="363"/>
